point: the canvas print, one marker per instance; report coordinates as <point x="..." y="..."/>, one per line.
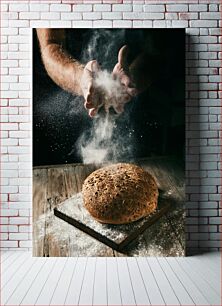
<point x="108" y="142"/>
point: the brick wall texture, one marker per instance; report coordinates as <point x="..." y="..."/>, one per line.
<point x="202" y="21"/>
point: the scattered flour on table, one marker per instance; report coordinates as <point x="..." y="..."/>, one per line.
<point x="83" y="245"/>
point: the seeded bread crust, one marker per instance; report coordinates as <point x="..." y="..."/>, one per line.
<point x="120" y="193"/>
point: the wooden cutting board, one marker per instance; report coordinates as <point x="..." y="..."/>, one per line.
<point x="117" y="237"/>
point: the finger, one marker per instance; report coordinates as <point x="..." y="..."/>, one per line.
<point x="122" y="57"/>
<point x="93" y="112"/>
<point x="92" y="65"/>
<point x="95" y="66"/>
<point x="88" y="105"/>
<point x="125" y="98"/>
<point x="132" y="91"/>
<point x="94" y="99"/>
<point x="89" y="97"/>
<point x="86" y="82"/>
<point x="119" y="108"/>
<point x="125" y="80"/>
<point x="115" y="71"/>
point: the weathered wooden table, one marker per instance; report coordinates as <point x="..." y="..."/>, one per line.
<point x="54" y="237"/>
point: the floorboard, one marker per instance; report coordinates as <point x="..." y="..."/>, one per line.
<point x="5" y="255"/>
<point x="39" y="282"/>
<point x="211" y="260"/>
<point x="153" y="290"/>
<point x="100" y="282"/>
<point x="126" y="288"/>
<point x="190" y="285"/>
<point x="46" y="293"/>
<point x="74" y="290"/>
<point x="86" y="294"/>
<point x="16" y="290"/>
<point x="11" y="271"/>
<point x="165" y="287"/>
<point x="212" y="278"/>
<point x="137" y="281"/>
<point x="11" y="261"/>
<point x="207" y="291"/>
<point x="113" y="285"/>
<point x="28" y="280"/>
<point x="179" y="289"/>
<point x="61" y="289"/>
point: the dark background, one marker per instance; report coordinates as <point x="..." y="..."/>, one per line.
<point x="156" y="117"/>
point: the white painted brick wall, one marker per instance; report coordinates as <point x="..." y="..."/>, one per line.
<point x="201" y="18"/>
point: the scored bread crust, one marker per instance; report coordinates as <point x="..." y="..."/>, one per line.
<point x="120" y="193"/>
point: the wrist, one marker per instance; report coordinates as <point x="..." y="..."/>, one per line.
<point x="76" y="76"/>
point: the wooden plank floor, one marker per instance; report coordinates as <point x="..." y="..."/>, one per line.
<point x="52" y="236"/>
<point x="27" y="280"/>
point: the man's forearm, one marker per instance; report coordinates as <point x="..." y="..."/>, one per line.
<point x="64" y="70"/>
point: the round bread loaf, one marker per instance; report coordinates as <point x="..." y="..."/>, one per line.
<point x="120" y="193"/>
